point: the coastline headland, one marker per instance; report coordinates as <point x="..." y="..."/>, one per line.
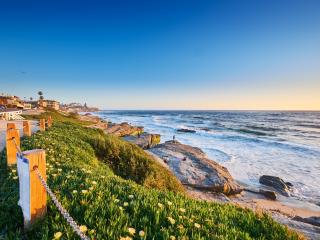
<point x="207" y="180"/>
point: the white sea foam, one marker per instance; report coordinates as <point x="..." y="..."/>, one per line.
<point x="248" y="144"/>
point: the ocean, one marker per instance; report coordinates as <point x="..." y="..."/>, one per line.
<point x="248" y="143"/>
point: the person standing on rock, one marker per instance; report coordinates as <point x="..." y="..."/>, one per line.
<point x="174" y="138"/>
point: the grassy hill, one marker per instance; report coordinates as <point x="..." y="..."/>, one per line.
<point x="112" y="187"/>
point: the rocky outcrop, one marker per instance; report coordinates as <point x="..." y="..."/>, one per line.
<point x="267" y="194"/>
<point x="185" y="130"/>
<point x="193" y="168"/>
<point x="310" y="220"/>
<point x="145" y="140"/>
<point x="123" y="129"/>
<point x="277" y="183"/>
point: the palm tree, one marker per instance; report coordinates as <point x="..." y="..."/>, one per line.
<point x="40" y="93"/>
<point x="31" y="98"/>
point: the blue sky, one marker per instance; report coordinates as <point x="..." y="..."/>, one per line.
<point x="163" y="54"/>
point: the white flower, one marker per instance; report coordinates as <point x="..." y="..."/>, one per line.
<point x="169" y="203"/>
<point x="141" y="233"/>
<point x="197" y="225"/>
<point x="15" y="177"/>
<point x="125" y="204"/>
<point x="160" y="205"/>
<point x="84" y="191"/>
<point x="130" y="196"/>
<point x="74" y="191"/>
<point x="94" y="182"/>
<point x="13" y="170"/>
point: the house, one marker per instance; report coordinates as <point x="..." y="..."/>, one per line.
<point x="11" y="102"/>
<point x="50" y="104"/>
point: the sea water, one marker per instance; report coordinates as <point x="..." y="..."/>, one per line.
<point x="249" y="144"/>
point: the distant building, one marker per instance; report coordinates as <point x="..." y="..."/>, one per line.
<point x="11" y="102"/>
<point x="50" y="104"/>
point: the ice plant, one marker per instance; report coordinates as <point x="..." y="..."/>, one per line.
<point x="141" y="233"/>
<point x="83" y="228"/>
<point x="57" y="235"/>
<point x="171" y="220"/>
<point x="131" y="230"/>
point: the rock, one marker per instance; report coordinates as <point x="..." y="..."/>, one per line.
<point x="193" y="168"/>
<point x="145" y="140"/>
<point x="124" y="129"/>
<point x="310" y="220"/>
<point x="268" y="194"/>
<point x="277" y="183"/>
<point x="186" y="130"/>
<point x="289" y="184"/>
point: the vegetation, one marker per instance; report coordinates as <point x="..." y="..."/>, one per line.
<point x="81" y="167"/>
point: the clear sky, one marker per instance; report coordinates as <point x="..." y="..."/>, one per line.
<point x="163" y="54"/>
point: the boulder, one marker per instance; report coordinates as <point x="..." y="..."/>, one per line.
<point x="185" y="130"/>
<point x="310" y="220"/>
<point x="268" y="194"/>
<point x="145" y="140"/>
<point x="123" y="129"/>
<point x="277" y="183"/>
<point x="193" y="168"/>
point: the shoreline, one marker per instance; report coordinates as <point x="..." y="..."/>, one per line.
<point x="281" y="209"/>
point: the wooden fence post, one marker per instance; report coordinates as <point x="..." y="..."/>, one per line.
<point x="42" y="124"/>
<point x="12" y="135"/>
<point x="49" y="121"/>
<point x="38" y="194"/>
<point x="26" y="128"/>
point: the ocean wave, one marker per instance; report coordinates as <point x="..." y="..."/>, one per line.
<point x="248" y="131"/>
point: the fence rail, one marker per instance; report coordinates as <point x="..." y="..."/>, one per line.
<point x="33" y="188"/>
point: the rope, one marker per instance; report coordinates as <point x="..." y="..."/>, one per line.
<point x="17" y="146"/>
<point x="63" y="211"/>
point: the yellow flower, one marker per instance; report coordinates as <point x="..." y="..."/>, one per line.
<point x="74" y="191"/>
<point x="160" y="205"/>
<point x="141" y="233"/>
<point x="180" y="226"/>
<point x="92" y="231"/>
<point x="116" y="200"/>
<point x="172" y="238"/>
<point x="13" y="170"/>
<point x="94" y="182"/>
<point x="15" y="177"/>
<point x="197" y="225"/>
<point x="84" y="191"/>
<point x="132" y="231"/>
<point x="130" y="196"/>
<point x="90" y="188"/>
<point x="171" y="220"/>
<point x="83" y="228"/>
<point x="57" y="235"/>
<point x="125" y="204"/>
<point x="182" y="210"/>
<point x="121" y="208"/>
<point x="59" y="170"/>
<point x="54" y="175"/>
<point x="103" y="176"/>
<point x="169" y="203"/>
<point x="125" y="238"/>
